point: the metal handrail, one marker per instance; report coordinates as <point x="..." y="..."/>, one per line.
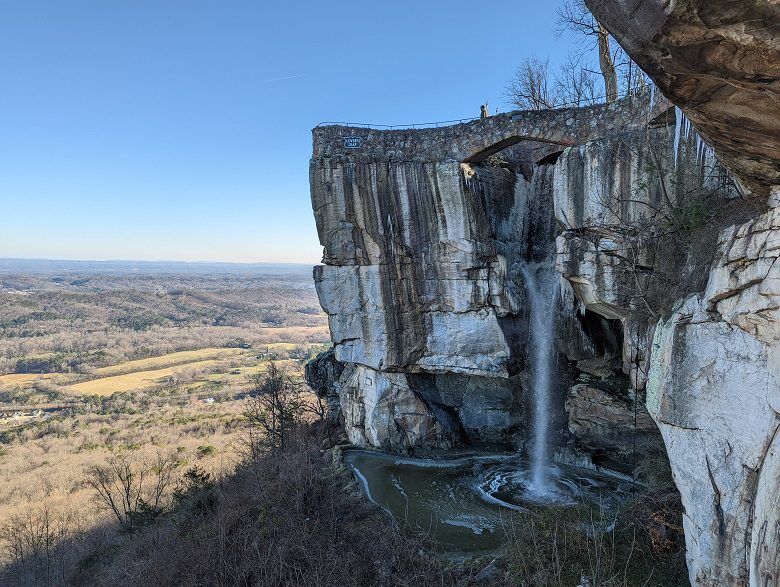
<point x="580" y="103"/>
<point x="399" y="126"/>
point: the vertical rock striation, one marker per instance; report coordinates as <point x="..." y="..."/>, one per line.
<point x="424" y="249"/>
<point x="667" y="317"/>
<point x="715" y="380"/>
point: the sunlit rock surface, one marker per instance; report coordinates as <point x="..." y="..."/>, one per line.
<point x="714" y="391"/>
<point x="719" y="60"/>
<point x="425" y="235"/>
<point x="381" y="410"/>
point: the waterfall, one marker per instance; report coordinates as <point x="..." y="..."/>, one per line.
<point x="542" y="284"/>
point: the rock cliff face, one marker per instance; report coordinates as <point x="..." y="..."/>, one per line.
<point x="714" y="384"/>
<point x="426" y="235"/>
<point x="670" y="294"/>
<point x="714" y="390"/>
<point x="720" y="61"/>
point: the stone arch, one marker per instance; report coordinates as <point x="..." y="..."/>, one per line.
<point x="502" y="144"/>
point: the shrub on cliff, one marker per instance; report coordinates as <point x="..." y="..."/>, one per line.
<point x="641" y="544"/>
<point x="288" y="518"/>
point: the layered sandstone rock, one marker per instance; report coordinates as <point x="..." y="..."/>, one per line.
<point x="719" y="60"/>
<point x="714" y="391"/>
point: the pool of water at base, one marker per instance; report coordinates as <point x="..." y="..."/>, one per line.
<point x="467" y="504"/>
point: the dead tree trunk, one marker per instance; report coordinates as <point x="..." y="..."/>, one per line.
<point x="607" y="65"/>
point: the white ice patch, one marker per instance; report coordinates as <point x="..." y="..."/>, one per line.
<point x="476" y="524"/>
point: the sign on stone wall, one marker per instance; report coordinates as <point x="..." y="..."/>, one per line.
<point x="352" y="142"/>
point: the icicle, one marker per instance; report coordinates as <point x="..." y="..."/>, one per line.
<point x="698" y="148"/>
<point x="678" y="122"/>
<point x="652" y="95"/>
<point x="709" y="153"/>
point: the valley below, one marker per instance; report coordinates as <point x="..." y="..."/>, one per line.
<point x="97" y="364"/>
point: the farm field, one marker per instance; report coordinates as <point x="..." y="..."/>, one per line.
<point x="167" y="360"/>
<point x="99" y="365"/>
<point x="222" y="365"/>
<point x="23" y="379"/>
<point x="142" y="379"/>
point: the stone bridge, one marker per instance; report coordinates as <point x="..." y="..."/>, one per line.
<point x="471" y="142"/>
<point x="422" y="244"/>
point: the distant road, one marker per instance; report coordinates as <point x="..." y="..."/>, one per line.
<point x="10" y="409"/>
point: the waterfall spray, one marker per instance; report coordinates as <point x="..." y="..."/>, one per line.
<point x="542" y="283"/>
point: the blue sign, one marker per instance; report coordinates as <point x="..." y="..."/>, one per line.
<point x="352" y="142"/>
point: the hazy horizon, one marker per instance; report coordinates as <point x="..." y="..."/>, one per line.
<point x="181" y="131"/>
<point x="151" y="261"/>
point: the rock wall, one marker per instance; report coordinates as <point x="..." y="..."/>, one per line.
<point x="667" y="316"/>
<point x="411" y="274"/>
<point x="715" y="391"/>
<point x="422" y="275"/>
<point x="714" y="381"/>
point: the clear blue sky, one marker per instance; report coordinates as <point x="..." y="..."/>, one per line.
<point x="180" y="129"/>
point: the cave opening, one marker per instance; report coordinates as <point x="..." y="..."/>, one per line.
<point x="605" y="334"/>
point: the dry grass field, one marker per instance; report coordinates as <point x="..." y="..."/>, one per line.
<point x="167" y="360"/>
<point x="137" y="380"/>
<point x="24" y="380"/>
<point x="48" y="462"/>
<point x="102" y="365"/>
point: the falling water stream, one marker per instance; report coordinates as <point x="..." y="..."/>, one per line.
<point x="542" y="284"/>
<point x="467" y="502"/>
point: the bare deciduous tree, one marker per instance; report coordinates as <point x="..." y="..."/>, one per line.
<point x="617" y="70"/>
<point x="533" y="88"/>
<point x="530" y="88"/>
<point x="133" y="493"/>
<point x="274" y="409"/>
<point x="574" y="15"/>
<point x="575" y="85"/>
<point x="33" y="543"/>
